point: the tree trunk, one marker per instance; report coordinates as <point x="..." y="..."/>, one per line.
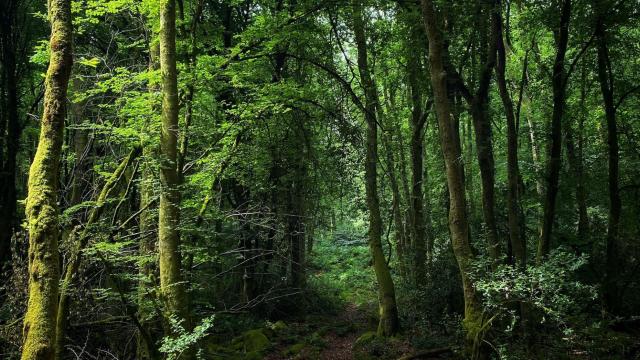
<point x="404" y="183"/>
<point x="575" y="166"/>
<point x="171" y="287"/>
<point x="417" y="122"/>
<point x="428" y="219"/>
<point x="581" y="195"/>
<point x="513" y="172"/>
<point x="605" y="77"/>
<point x="555" y="153"/>
<point x="458" y="223"/>
<point x="39" y="332"/>
<point x="388" y="311"/>
<point x="479" y="105"/>
<point x="398" y="225"/>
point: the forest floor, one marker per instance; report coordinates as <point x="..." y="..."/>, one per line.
<point x="335" y="319"/>
<point x="342" y="319"/>
<point x="331" y="338"/>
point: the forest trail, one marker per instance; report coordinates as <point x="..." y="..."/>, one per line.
<point x="341" y="345"/>
<point x="330" y="337"/>
<point x="334" y="334"/>
<point x="332" y="342"/>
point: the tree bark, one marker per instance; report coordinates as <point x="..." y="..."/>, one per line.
<point x="171" y="286"/>
<point x="39" y="332"/>
<point x="388" y="311"/>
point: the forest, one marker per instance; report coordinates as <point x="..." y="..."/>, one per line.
<point x="308" y="179"/>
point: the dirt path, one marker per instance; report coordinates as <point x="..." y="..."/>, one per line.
<point x="341" y="347"/>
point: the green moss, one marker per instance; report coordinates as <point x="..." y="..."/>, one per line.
<point x="294" y="349"/>
<point x="279" y="326"/>
<point x="251" y="341"/>
<point x="474" y="327"/>
<point x="366" y="338"/>
<point x="39" y="332"/>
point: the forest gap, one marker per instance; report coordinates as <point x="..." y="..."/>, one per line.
<point x="305" y="179"/>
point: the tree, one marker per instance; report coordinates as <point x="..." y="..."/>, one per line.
<point x="417" y="124"/>
<point x="513" y="172"/>
<point x="42" y="202"/>
<point x="605" y="77"/>
<point x="388" y="324"/>
<point x="450" y="143"/>
<point x="554" y="161"/>
<point x="171" y="287"/>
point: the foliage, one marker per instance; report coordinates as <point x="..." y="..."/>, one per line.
<point x="175" y="346"/>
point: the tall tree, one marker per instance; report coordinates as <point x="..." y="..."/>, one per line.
<point x="171" y="287"/>
<point x="518" y="245"/>
<point x="450" y="143"/>
<point x="555" y="150"/>
<point x="479" y="108"/>
<point x="605" y="77"/>
<point x="417" y="123"/>
<point x="388" y="311"/>
<point x="575" y="150"/>
<point x="42" y="202"/>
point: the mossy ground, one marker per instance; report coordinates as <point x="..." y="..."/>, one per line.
<point x="340" y="306"/>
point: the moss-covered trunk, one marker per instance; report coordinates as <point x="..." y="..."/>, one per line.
<point x="388" y="324"/>
<point x="42" y="208"/>
<point x="171" y="286"/>
<point x="450" y="142"/>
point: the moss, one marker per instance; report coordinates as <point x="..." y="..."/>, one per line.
<point x="294" y="349"/>
<point x="370" y="345"/>
<point x="42" y="203"/>
<point x="217" y="350"/>
<point x="475" y="327"/>
<point x="316" y="340"/>
<point x="251" y="341"/>
<point x="279" y="326"/>
<point x="366" y="338"/>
